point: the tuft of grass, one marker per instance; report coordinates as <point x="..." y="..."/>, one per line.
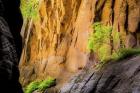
<point x="124" y="53"/>
<point x="40" y="85"/>
<point x="46" y="84"/>
<point x="32" y="87"/>
<point x="119" y="55"/>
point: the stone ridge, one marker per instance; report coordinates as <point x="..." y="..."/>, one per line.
<point x="115" y="77"/>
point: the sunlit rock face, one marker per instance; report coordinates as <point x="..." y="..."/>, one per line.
<point x="57" y="42"/>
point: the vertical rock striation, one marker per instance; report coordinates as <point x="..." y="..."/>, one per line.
<point x="57" y="40"/>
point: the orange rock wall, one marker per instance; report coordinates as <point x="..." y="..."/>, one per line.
<point x="58" y="39"/>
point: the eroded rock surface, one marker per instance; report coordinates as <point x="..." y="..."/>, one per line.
<point x="115" y="77"/>
<point x="57" y="43"/>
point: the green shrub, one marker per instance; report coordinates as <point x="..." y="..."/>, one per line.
<point x="46" y="84"/>
<point x="99" y="40"/>
<point x="29" y="8"/>
<point x="32" y="87"/>
<point x="116" y="38"/>
<point x="40" y="85"/>
<point x="104" y="53"/>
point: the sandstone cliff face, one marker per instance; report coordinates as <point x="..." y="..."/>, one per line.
<point x="56" y="43"/>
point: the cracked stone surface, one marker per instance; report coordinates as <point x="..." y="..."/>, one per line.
<point x="115" y="77"/>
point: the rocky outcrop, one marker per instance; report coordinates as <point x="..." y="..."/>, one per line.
<point x="14" y="21"/>
<point x="56" y="43"/>
<point x="115" y="77"/>
<point x="57" y="40"/>
<point x="9" y="46"/>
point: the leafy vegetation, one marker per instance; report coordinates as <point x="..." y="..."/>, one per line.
<point x="100" y="43"/>
<point x="32" y="87"/>
<point x="46" y="84"/>
<point x="116" y="37"/>
<point x="125" y="52"/>
<point x="29" y="8"/>
<point x="99" y="40"/>
<point x="40" y="85"/>
<point x="119" y="55"/>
